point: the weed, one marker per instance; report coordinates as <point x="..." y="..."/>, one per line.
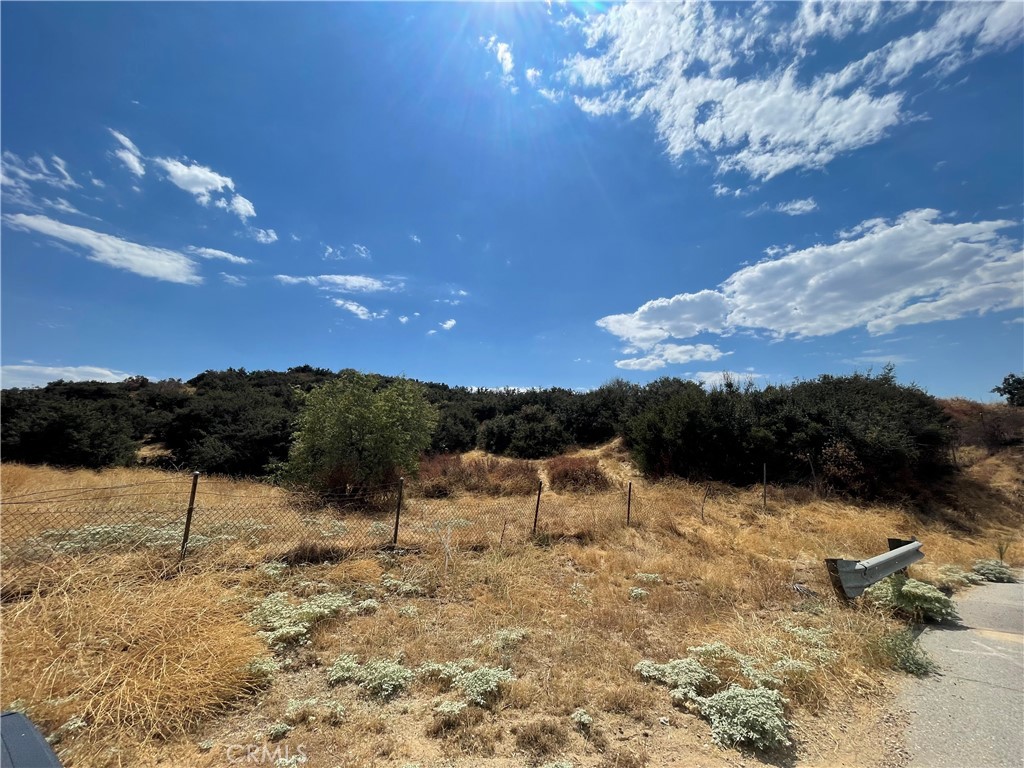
<point x="900" y="650"/>
<point x="284" y="624"/>
<point x="366" y="607"/>
<point x="507" y="639"/>
<point x="382" y="679"/>
<point x="747" y="717"/>
<point x="541" y="737"/>
<point x="911" y="598"/>
<point x="582" y="720"/>
<point x="648" y="578"/>
<point x="278" y="731"/>
<point x="994" y="570"/>
<point x="638" y="593"/>
<point x="480" y="685"/>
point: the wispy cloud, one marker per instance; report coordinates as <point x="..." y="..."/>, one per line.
<point x="725" y="80"/>
<point x="879" y="275"/>
<point x="533" y="75"/>
<point x="128" y="154"/>
<point x="358" y="310"/>
<point x="144" y="260"/>
<point x="447" y="325"/>
<point x="233" y="280"/>
<point x="503" y="53"/>
<point x="17" y="177"/>
<point x="264" y="236"/>
<point x="790" y="208"/>
<point x="415" y="239"/>
<point x="213" y="253"/>
<point x="343" y="283"/>
<point x="361" y="251"/>
<point x="40" y="375"/>
<point x="238" y="205"/>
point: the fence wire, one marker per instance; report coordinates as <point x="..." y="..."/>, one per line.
<point x="48" y="526"/>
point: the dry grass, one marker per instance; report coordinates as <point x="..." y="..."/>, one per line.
<point x="153" y="656"/>
<point x="576" y="474"/>
<point x="446" y="475"/>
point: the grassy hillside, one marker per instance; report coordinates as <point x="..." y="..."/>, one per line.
<point x="130" y="659"/>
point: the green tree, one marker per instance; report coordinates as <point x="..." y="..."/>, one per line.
<point x="1012" y="389"/>
<point x="355" y="433"/>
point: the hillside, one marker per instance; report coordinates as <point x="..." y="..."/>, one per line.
<point x="131" y="659"/>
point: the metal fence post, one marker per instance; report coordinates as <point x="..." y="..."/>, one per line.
<point x="188" y="515"/>
<point x="536" y="510"/>
<point x="629" y="502"/>
<point x="398" y="510"/>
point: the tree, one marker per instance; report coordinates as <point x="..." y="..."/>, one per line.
<point x="355" y="433"/>
<point x="1012" y="389"/>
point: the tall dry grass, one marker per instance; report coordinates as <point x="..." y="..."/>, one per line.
<point x="153" y="655"/>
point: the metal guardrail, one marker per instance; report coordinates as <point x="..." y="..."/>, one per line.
<point x="851" y="577"/>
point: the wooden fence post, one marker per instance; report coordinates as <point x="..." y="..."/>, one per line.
<point x="764" y="488"/>
<point x="188" y="514"/>
<point x="629" y="502"/>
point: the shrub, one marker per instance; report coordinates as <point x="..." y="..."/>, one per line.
<point x="900" y="650"/>
<point x="284" y="624"/>
<point x="384" y="679"/>
<point x="507" y="639"/>
<point x="354" y="433"/>
<point x="278" y="731"/>
<point x="910" y="598"/>
<point x="582" y="720"/>
<point x="381" y="679"/>
<point x="687" y="678"/>
<point x="638" y="593"/>
<point x="576" y="474"/>
<point x="445" y="475"/>
<point x="752" y="717"/>
<point x="951" y="577"/>
<point x="994" y="570"/>
<point x="480" y="685"/>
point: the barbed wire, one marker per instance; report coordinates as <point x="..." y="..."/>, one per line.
<point x="89" y="490"/>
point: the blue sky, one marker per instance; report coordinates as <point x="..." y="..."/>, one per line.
<point x="514" y="195"/>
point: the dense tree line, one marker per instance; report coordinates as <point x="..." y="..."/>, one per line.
<point x="862" y="434"/>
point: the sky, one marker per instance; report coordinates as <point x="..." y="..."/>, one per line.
<point x="522" y="195"/>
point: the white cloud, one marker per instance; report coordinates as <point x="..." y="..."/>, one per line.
<point x="40" y="375"/>
<point x="17" y="177"/>
<point x="431" y="332"/>
<point x="447" y="324"/>
<point x="533" y="75"/>
<point x="797" y="207"/>
<point x="358" y="310"/>
<point x="879" y="275"/>
<point x="332" y="253"/>
<point x="195" y="179"/>
<point x="415" y="239"/>
<point x="790" y="208"/>
<point x="361" y="251"/>
<point x="551" y="95"/>
<point x="503" y="53"/>
<point x="661" y="355"/>
<point x="213" y="253"/>
<point x="158" y="263"/>
<point x="343" y="283"/>
<point x="238" y="205"/>
<point x="725" y="80"/>
<point x="233" y="280"/>
<point x="62" y="205"/>
<point x="265" y="236"/>
<point x="403" y="319"/>
<point x="98" y="183"/>
<point x="128" y="154"/>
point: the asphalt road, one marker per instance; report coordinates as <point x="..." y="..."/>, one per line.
<point x="971" y="714"/>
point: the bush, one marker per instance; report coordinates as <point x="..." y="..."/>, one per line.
<point x="994" y="570"/>
<point x="445" y="475"/>
<point x="284" y="624"/>
<point x="576" y="474"/>
<point x="530" y="433"/>
<point x="353" y="433"/>
<point x="900" y="650"/>
<point x="911" y="599"/>
<point x="752" y="717"/>
<point x="480" y="685"/>
<point x="383" y="679"/>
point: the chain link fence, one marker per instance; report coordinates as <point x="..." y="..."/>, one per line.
<point x="195" y="515"/>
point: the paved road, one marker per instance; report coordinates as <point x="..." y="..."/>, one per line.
<point x="971" y="715"/>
